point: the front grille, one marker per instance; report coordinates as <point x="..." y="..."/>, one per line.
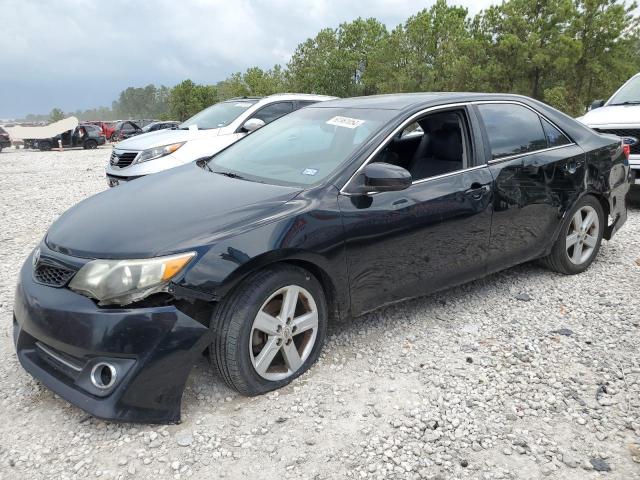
<point x="53" y="276"/>
<point x="635" y="133"/>
<point x="123" y="159"/>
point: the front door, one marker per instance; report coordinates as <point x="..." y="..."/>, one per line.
<point x="430" y="236"/>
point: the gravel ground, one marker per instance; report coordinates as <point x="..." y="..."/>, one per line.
<point x="525" y="374"/>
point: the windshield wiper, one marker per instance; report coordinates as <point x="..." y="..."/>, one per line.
<point x="628" y="102"/>
<point x="228" y="174"/>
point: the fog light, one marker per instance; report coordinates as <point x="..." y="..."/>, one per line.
<point x="103" y="375"/>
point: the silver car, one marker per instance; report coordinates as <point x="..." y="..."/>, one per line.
<point x="204" y="134"/>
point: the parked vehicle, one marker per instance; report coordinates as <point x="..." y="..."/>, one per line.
<point x="125" y="129"/>
<point x="332" y="211"/>
<point x="204" y="134"/>
<point x="5" y="140"/>
<point x="107" y="127"/>
<point x="165" y="125"/>
<point x="84" y="135"/>
<point x="620" y="115"/>
<point x="30" y="135"/>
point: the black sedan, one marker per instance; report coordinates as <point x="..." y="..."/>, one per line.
<point x="327" y="213"/>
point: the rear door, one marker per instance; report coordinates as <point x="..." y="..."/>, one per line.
<point x="538" y="174"/>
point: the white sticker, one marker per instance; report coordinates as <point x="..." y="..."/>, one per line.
<point x="193" y="127"/>
<point x="310" y="171"/>
<point x="345" y="122"/>
<point x="243" y="105"/>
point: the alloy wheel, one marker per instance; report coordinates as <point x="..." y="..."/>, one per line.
<point x="283" y="333"/>
<point x="582" y="235"/>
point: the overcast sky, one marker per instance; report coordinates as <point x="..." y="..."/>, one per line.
<point x="77" y="54"/>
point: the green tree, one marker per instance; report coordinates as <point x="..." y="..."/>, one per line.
<point x="187" y="98"/>
<point x="56" y="114"/>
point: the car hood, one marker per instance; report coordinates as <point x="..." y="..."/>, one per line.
<point x="612" y="115"/>
<point x="164" y="137"/>
<point x="180" y="209"/>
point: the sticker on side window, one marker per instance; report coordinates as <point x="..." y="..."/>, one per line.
<point x="346" y="122"/>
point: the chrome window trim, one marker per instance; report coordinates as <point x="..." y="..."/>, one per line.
<point x="448" y="174"/>
<point x="395" y="131"/>
<point x="526" y="154"/>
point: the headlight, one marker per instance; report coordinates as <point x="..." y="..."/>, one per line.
<point x="126" y="281"/>
<point x="157" y="152"/>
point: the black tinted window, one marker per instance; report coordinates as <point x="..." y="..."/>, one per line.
<point x="274" y="111"/>
<point x="512" y="129"/>
<point x="554" y="136"/>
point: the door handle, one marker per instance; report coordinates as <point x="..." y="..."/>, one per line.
<point x="571" y="167"/>
<point x="477" y="190"/>
<point x="400" y="203"/>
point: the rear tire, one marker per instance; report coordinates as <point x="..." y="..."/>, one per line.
<point x="579" y="240"/>
<point x="269" y="330"/>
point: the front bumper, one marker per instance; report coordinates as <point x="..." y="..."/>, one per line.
<point x="60" y="336"/>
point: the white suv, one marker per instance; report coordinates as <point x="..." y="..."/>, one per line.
<point x="204" y="134"/>
<point x="620" y="115"/>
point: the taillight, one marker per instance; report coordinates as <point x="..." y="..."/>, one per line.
<point x="626" y="149"/>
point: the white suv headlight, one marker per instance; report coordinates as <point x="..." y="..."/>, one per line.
<point x="122" y="282"/>
<point x="158" y="152"/>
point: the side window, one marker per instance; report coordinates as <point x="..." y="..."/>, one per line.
<point x="555" y="137"/>
<point x="413" y="130"/>
<point x="274" y="111"/>
<point x="434" y="145"/>
<point x="512" y="129"/>
<point x="127" y="127"/>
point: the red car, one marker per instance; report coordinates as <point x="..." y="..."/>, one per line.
<point x="108" y="128"/>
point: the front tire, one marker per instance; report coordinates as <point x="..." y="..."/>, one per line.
<point x="270" y="330"/>
<point x="580" y="237"/>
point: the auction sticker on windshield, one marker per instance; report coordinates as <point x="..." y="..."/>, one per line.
<point x="242" y="105"/>
<point x="345" y="122"/>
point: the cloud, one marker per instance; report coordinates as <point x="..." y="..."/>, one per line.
<point x="77" y="54"/>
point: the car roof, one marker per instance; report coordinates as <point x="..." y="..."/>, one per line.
<point x="410" y="101"/>
<point x="281" y="97"/>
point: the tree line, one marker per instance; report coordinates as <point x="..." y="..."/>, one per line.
<point x="563" y="52"/>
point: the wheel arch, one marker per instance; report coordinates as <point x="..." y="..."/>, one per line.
<point x="602" y="200"/>
<point x="337" y="303"/>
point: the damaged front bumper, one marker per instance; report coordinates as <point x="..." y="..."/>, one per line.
<point x="64" y="339"/>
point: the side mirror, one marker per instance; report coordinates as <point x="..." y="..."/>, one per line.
<point x="381" y="177"/>
<point x="596" y="104"/>
<point x="253" y="124"/>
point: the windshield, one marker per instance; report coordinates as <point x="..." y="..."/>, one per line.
<point x="301" y="148"/>
<point x="218" y="115"/>
<point x="148" y="127"/>
<point x="629" y="93"/>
